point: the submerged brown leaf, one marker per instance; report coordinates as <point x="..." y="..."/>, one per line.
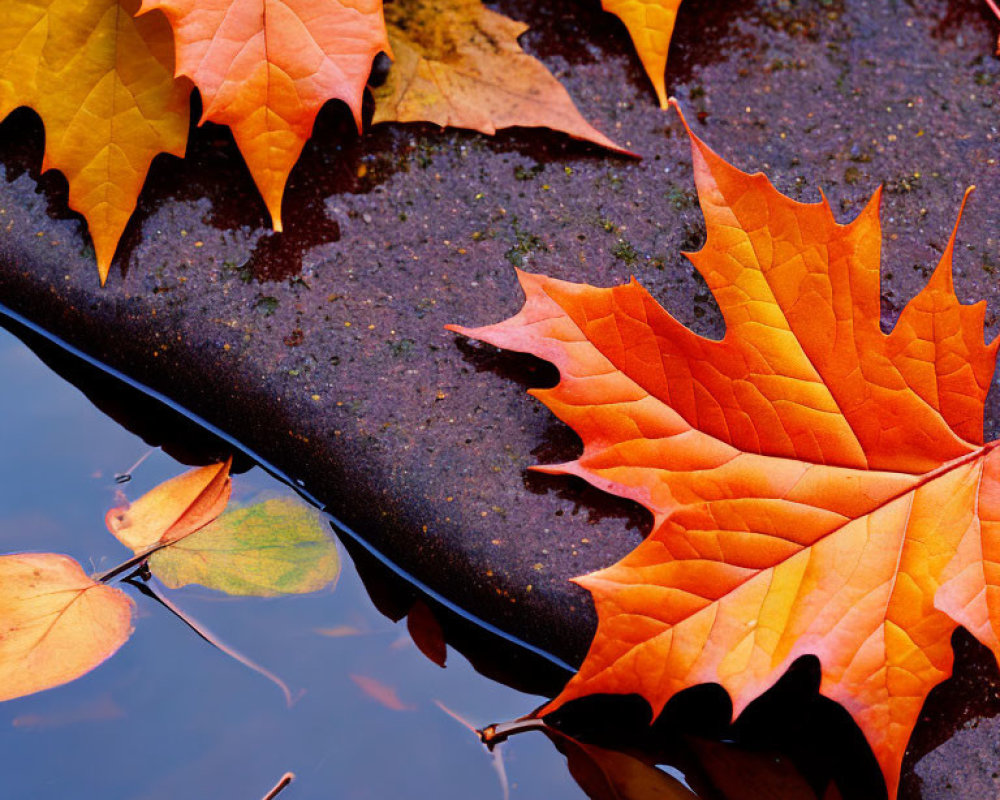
<point x="602" y="772"/>
<point x="740" y="775"/>
<point x="381" y="693"/>
<point x="340" y="631"/>
<point x="606" y="774"/>
<point x="426" y="633"/>
<point x="98" y="709"/>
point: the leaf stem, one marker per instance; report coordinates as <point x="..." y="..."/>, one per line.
<point x="209" y="637"/>
<point x="492" y="735"/>
<point x="126" y="476"/>
<point x="137" y="560"/>
<point x="285" y="780"/>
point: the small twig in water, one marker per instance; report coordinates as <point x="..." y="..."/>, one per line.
<point x="126" y="476"/>
<point x="286" y="779"/>
<point x="501" y="771"/>
<point x="209" y="637"/>
<point x="492" y="735"/>
<point x="495" y="752"/>
<point x="138" y="560"/>
<point x="457" y="717"/>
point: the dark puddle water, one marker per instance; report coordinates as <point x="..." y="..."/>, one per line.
<point x="169" y="717"/>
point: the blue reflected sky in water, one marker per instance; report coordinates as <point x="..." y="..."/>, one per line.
<point x="170" y="717"/>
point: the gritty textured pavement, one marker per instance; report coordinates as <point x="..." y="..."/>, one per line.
<point x="324" y="348"/>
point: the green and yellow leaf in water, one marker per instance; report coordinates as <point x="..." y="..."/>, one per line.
<point x="273" y="547"/>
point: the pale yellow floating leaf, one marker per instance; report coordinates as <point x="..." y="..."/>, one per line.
<point x="56" y="623"/>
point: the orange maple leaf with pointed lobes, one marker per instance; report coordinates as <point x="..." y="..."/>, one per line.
<point x="103" y="84"/>
<point x="265" y="69"/>
<point x="817" y="486"/>
<point x="650" y="23"/>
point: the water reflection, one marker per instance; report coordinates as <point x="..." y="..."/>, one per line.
<point x="375" y="716"/>
<point x="171" y="717"/>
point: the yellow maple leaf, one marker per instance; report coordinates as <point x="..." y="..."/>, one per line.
<point x="103" y="84"/>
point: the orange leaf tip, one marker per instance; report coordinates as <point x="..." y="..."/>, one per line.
<point x="650" y="24"/>
<point x="266" y="75"/>
<point x="174" y="509"/>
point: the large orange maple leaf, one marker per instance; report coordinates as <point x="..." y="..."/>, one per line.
<point x="818" y="487"/>
<point x="265" y="68"/>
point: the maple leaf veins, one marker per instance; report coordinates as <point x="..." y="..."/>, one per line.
<point x="817" y="486"/>
<point x="459" y="64"/>
<point x="103" y="84"/>
<point x="265" y="69"/>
